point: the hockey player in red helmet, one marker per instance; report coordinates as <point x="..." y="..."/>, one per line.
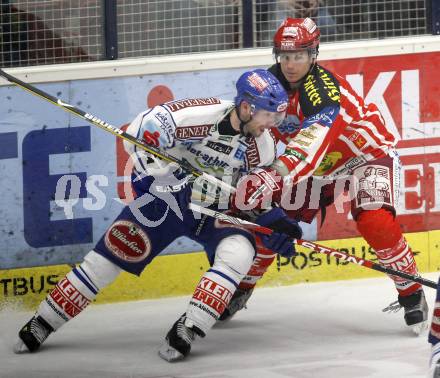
<point x="333" y="141"/>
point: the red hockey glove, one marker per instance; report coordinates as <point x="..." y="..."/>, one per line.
<point x="257" y="190"/>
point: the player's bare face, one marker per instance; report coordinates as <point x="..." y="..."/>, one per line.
<point x="295" y="64"/>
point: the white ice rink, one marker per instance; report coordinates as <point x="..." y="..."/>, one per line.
<point x="327" y="330"/>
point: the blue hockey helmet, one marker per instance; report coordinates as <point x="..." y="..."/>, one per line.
<point x="262" y="90"/>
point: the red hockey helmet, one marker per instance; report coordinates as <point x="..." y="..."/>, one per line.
<point x="296" y="33"/>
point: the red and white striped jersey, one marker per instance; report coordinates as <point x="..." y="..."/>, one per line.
<point x="329" y="129"/>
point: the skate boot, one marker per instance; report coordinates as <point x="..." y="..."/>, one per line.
<point x="434" y="370"/>
<point x="237" y="303"/>
<point x="32" y="335"/>
<point x="416" y="310"/>
<point x="178" y="340"/>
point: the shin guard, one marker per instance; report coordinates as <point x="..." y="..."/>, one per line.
<point x="382" y="232"/>
<point x="260" y="265"/>
<point x="213" y="293"/>
<point x="73" y="293"/>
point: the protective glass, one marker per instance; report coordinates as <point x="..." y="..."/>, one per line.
<point x="299" y="56"/>
<point x="268" y="119"/>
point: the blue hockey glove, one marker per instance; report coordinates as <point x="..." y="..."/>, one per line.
<point x="285" y="229"/>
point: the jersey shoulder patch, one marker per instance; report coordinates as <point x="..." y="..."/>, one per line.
<point x="319" y="90"/>
<point x="158" y="120"/>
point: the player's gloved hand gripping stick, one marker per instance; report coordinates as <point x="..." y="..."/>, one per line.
<point x="197" y="173"/>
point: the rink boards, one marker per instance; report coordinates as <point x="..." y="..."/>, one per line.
<point x="175" y="275"/>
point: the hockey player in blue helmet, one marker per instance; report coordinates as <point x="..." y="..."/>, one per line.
<point x="265" y="101"/>
<point x="219" y="137"/>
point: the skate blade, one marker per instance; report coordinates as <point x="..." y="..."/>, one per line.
<point x="419" y="328"/>
<point x="434" y="371"/>
<point x="168" y="353"/>
<point x="20" y="347"/>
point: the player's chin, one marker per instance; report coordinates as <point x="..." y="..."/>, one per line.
<point x="293" y="78"/>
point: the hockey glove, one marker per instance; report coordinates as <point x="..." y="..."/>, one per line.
<point x="286" y="229"/>
<point x="257" y="190"/>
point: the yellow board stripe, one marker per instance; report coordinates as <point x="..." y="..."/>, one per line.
<point x="175" y="275"/>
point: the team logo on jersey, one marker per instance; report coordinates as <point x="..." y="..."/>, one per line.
<point x="374" y="185"/>
<point x="127" y="241"/>
<point x="358" y="140"/>
<point x="290" y="124"/>
<point x="153" y="139"/>
<point x="327" y="163"/>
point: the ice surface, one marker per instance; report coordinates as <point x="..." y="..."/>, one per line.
<point x="333" y="329"/>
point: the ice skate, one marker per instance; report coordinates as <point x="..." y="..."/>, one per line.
<point x="416" y="311"/>
<point x="178" y="340"/>
<point x="237" y="303"/>
<point x="32" y="335"/>
<point x="434" y="365"/>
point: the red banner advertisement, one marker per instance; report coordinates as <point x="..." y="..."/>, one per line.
<point x="406" y="89"/>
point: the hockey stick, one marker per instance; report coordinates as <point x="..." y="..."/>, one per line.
<point x="115" y="131"/>
<point x="315" y="247"/>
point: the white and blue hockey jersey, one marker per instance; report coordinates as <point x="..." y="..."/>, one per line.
<point x="189" y="130"/>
